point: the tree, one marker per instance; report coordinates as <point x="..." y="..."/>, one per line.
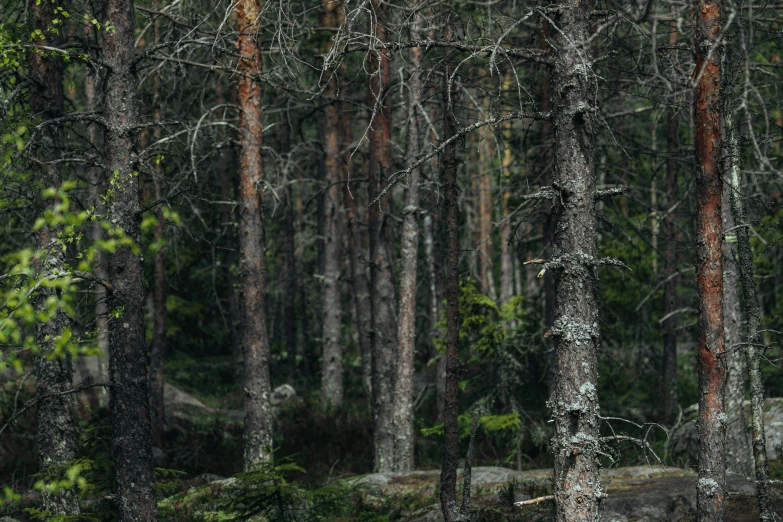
<point x="711" y="489"/>
<point x="752" y="336"/>
<point x="332" y="370"/>
<point x="128" y="400"/>
<point x="406" y="326"/>
<point x="257" y="435"/>
<point x="383" y="333"/>
<point x="57" y="435"/>
<point x="448" y="475"/>
<point x="575" y="329"/>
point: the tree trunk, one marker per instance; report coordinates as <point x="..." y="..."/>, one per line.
<point x="448" y="475"/>
<point x="575" y="328"/>
<point x="506" y="258"/>
<point x="711" y="492"/>
<point x="289" y="252"/>
<point x="128" y="400"/>
<point x="97" y="189"/>
<point x="228" y="240"/>
<point x="753" y="318"/>
<point x="738" y="452"/>
<point x="56" y="437"/>
<point x="384" y="316"/>
<point x="546" y="209"/>
<point x="257" y="436"/>
<point x="670" y="268"/>
<point x="406" y="327"/>
<point x="158" y="349"/>
<point x="332" y="366"/>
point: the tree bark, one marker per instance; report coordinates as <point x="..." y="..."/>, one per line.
<point x="257" y="436"/>
<point x="573" y="261"/>
<point x="332" y="369"/>
<point x="752" y="335"/>
<point x="404" y="436"/>
<point x="99" y="395"/>
<point x="546" y="209"/>
<point x="448" y="475"/>
<point x="384" y="314"/>
<point x="128" y="400"/>
<point x="738" y="452"/>
<point x="711" y="492"/>
<point x="57" y="434"/>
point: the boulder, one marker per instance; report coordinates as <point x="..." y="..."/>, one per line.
<point x="684" y="441"/>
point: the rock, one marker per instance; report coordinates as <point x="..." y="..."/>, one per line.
<point x="422" y="482"/>
<point x="638" y="493"/>
<point x="283" y="394"/>
<point x="684" y="441"/>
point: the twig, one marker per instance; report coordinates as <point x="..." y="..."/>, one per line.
<point x="532" y="501"/>
<point x="35" y="400"/>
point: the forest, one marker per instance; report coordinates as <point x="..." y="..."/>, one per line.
<point x="391" y="260"/>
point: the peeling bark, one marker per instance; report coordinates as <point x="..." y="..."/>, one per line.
<point x="131" y="433"/>
<point x="257" y="436"/>
<point x="57" y="434"/>
<point x="573" y="261"/>
<point x="384" y="313"/>
<point x="406" y="327"/>
<point x="711" y="423"/>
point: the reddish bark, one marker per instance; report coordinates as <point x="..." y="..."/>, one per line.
<point x="711" y="492"/>
<point x="257" y="436"/>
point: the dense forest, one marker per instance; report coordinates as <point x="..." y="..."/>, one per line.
<point x="375" y="260"/>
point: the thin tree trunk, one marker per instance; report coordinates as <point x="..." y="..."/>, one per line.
<point x="448" y="475"/>
<point x="158" y="349"/>
<point x="131" y="433"/>
<point x="406" y="327"/>
<point x="670" y="268"/>
<point x="289" y="251"/>
<point x="506" y="258"/>
<point x="711" y="488"/>
<point x="485" y="213"/>
<point x="97" y="189"/>
<point x="56" y="437"/>
<point x="257" y="436"/>
<point x="753" y="339"/>
<point x="357" y="244"/>
<point x="434" y="306"/>
<point x="575" y="329"/>
<point x="332" y="369"/>
<point x="384" y="316"/>
<point x="738" y="451"/>
<point x="546" y="162"/>
<point x="229" y="240"/>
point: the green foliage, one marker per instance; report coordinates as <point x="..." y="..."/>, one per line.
<point x="270" y="492"/>
<point x="489" y="424"/>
